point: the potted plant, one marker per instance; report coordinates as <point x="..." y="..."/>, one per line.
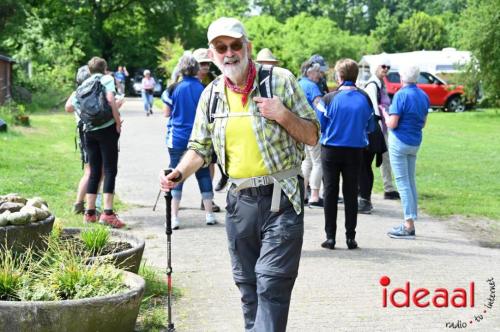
<point x="121" y="248"/>
<point x="24" y="222"/>
<point x="58" y="290"/>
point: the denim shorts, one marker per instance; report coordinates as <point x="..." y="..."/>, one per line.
<point x="202" y="175"/>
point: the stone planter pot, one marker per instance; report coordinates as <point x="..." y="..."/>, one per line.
<point x="130" y="259"/>
<point x="19" y="237"/>
<point x="99" y="314"/>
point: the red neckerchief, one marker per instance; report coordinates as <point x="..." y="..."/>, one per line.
<point x="252" y="72"/>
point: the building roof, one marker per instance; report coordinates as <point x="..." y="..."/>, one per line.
<point x="6" y="58"/>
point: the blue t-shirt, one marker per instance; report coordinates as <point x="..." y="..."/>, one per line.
<point x="120" y="76"/>
<point x="182" y="103"/>
<point x="412" y="106"/>
<point x="310" y="89"/>
<point x="344" y="121"/>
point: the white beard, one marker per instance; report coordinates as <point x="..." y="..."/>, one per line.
<point x="237" y="72"/>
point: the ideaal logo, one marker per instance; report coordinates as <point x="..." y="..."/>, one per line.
<point x="439" y="298"/>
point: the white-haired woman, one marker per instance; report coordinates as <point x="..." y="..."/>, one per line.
<point x="406" y="119"/>
<point x="148" y="85"/>
<point x="376" y="90"/>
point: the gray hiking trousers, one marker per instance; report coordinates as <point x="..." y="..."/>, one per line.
<point x="265" y="252"/>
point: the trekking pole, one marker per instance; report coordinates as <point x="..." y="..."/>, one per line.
<point x="168" y="231"/>
<point x="157" y="198"/>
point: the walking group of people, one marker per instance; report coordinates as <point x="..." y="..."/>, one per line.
<point x="261" y="123"/>
<point x="272" y="136"/>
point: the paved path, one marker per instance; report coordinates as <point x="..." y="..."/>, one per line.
<point x="336" y="290"/>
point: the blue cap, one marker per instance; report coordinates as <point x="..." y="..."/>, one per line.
<point x="316" y="58"/>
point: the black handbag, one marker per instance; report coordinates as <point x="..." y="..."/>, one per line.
<point x="376" y="143"/>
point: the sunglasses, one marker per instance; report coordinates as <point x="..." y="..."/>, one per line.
<point x="385" y="67"/>
<point x="235" y="46"/>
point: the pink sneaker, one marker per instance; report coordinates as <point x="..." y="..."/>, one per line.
<point x="92" y="218"/>
<point x="111" y="220"/>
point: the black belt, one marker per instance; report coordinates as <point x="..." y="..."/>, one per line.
<point x="255" y="191"/>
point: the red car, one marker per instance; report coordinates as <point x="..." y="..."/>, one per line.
<point x="441" y="95"/>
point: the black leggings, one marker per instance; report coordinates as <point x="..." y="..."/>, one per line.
<point x="102" y="149"/>
<point x="336" y="161"/>
<point x="366" y="175"/>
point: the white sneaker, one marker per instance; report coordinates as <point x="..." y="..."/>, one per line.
<point x="210" y="219"/>
<point x="176" y="223"/>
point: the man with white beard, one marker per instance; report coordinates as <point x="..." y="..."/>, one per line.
<point x="259" y="143"/>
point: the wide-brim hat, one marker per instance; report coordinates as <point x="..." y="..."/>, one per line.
<point x="201" y="55"/>
<point x="265" y="54"/>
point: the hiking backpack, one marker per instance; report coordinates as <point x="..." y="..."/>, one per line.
<point x="264" y="75"/>
<point x="93" y="105"/>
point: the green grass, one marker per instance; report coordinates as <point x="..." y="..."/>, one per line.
<point x="458" y="165"/>
<point x="41" y="160"/>
<point x="95" y="238"/>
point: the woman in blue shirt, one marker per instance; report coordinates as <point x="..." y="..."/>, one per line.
<point x="181" y="100"/>
<point x="344" y="121"/>
<point x="406" y="118"/>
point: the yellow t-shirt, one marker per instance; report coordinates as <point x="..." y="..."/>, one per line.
<point x="243" y="158"/>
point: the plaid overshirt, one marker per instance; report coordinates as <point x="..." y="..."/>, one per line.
<point x="278" y="149"/>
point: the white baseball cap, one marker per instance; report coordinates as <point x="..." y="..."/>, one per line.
<point x="225" y="26"/>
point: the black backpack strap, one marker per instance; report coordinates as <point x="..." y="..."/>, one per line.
<point x="366" y="96"/>
<point x="379" y="97"/>
<point x="171" y="88"/>
<point x="212" y="101"/>
<point x="327" y="99"/>
<point x="265" y="77"/>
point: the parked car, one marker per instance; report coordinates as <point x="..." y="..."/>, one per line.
<point x="441" y="95"/>
<point x="136" y="82"/>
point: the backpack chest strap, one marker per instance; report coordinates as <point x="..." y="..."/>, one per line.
<point x="234" y="115"/>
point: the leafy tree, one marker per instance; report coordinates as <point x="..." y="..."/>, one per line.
<point x="352" y="15"/>
<point x="265" y="32"/>
<point x="384" y="35"/>
<point x="208" y="11"/>
<point x="421" y="32"/>
<point x="12" y="18"/>
<point x="481" y="35"/>
<point x="301" y="36"/>
<point x="170" y="52"/>
<point x="58" y="36"/>
<point x="438" y="7"/>
<point x="452" y="25"/>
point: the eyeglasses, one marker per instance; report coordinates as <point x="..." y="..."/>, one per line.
<point x="203" y="64"/>
<point x="385" y="67"/>
<point x="235" y="46"/>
